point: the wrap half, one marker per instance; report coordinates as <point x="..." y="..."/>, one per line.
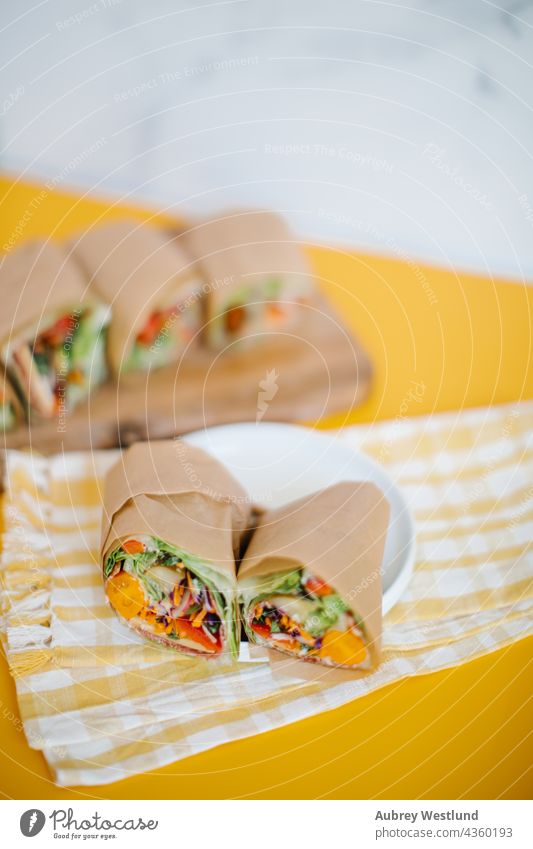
<point x="255" y="274"/>
<point x="171" y="531"/>
<point x="310" y="580"/>
<point x="154" y="294"/>
<point x="52" y="332"/>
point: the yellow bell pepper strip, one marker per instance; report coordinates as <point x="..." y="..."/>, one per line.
<point x="199" y="618"/>
<point x="261" y="630"/>
<point x="125" y="594"/>
<point x="343" y="647"/>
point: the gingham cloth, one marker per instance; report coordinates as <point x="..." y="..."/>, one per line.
<point x="102" y="704"/>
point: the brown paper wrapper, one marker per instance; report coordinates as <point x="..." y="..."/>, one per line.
<point x="180" y="494"/>
<point x="37" y="281"/>
<point x="339" y="535"/>
<point x="137" y="270"/>
<point x="241" y="247"/>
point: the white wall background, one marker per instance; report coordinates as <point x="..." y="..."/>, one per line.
<point x="397" y="127"/>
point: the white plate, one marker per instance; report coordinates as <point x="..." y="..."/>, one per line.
<point x="278" y="462"/>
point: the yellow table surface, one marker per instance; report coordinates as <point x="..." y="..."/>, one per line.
<point x="459" y="733"/>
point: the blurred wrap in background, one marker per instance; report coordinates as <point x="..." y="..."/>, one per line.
<point x="398" y="130"/>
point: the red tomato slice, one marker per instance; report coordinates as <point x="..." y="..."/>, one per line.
<point x="186" y="629"/>
<point x="318" y="587"/>
<point x="261" y="630"/>
<point x="56" y="333"/>
<point x="275" y="311"/>
<point x="125" y="594"/>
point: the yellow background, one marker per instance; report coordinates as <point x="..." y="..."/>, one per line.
<point x="460" y="733"/>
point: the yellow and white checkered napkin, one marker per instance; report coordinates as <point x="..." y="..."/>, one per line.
<point x="102" y="704"/>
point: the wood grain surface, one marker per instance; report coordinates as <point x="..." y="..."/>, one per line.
<point x="315" y="370"/>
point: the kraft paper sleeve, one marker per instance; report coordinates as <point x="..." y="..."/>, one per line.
<point x="179" y="493"/>
<point x="137" y="270"/>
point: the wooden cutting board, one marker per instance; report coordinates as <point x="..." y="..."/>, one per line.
<point x="315" y="370"/>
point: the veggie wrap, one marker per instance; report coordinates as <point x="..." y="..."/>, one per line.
<point x="52" y="332"/>
<point x="310" y="580"/>
<point x="147" y="279"/>
<point x="172" y="526"/>
<point x="256" y="274"/>
<point x="10" y="407"/>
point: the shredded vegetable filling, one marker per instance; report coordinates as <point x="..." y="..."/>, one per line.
<point x="150" y="585"/>
<point x="309" y="619"/>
